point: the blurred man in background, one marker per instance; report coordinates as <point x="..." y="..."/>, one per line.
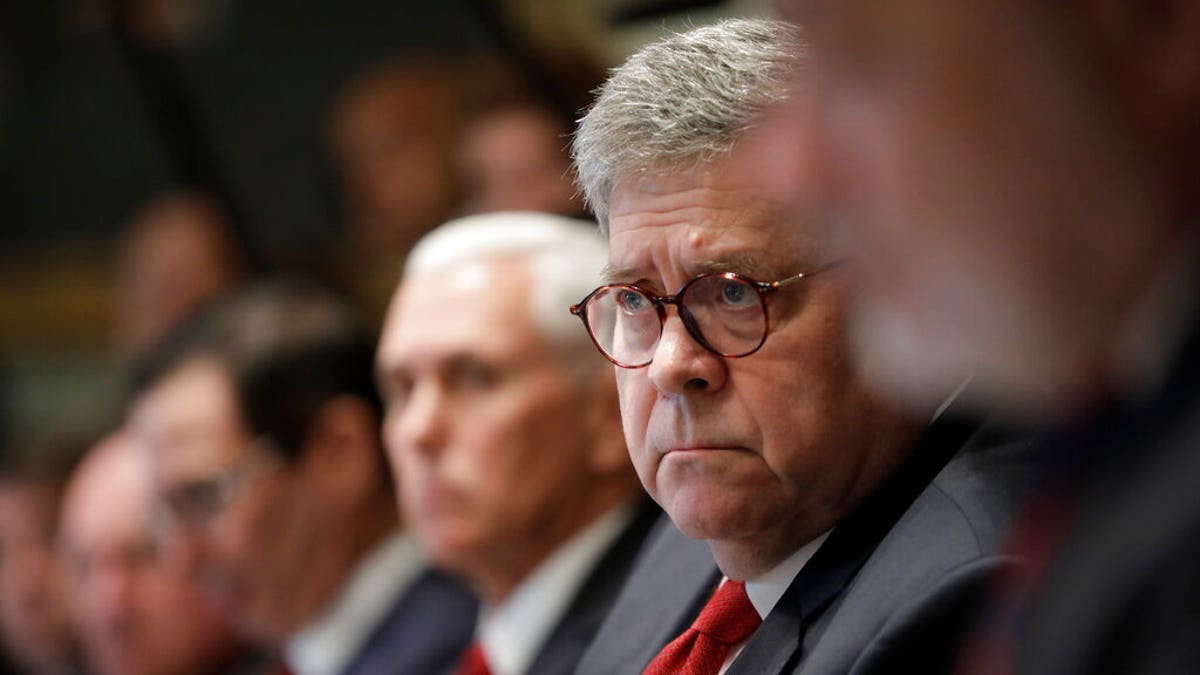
<point x="504" y="433"/>
<point x="263" y="420"/>
<point x="392" y="132"/>
<point x="513" y="157"/>
<point x="1015" y="186"/>
<point x="136" y="614"/>
<point x="177" y="252"/>
<point x="35" y="623"/>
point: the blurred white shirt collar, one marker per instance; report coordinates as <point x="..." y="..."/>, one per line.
<point x="328" y="645"/>
<point x="513" y="632"/>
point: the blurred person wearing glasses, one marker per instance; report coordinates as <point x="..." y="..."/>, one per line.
<point x="262" y="419"/>
<point x="847" y="536"/>
<point x="136" y="612"/>
<point x="505" y="435"/>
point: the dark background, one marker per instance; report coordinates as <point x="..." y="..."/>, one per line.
<point x="97" y="115"/>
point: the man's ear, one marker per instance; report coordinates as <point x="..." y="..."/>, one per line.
<point x="342" y="450"/>
<point x="602" y="424"/>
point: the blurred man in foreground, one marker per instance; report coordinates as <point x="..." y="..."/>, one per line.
<point x="1017" y="184"/>
<point x="136" y="614"/>
<point x="850" y="537"/>
<point x="263" y="420"/>
<point x="503" y="428"/>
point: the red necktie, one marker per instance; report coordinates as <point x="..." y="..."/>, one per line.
<point x="726" y="620"/>
<point x="473" y="661"/>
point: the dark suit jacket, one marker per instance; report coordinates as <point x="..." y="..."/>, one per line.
<point x="888" y="592"/>
<point x="561" y="651"/>
<point x="425" y="631"/>
<point x="1122" y="593"/>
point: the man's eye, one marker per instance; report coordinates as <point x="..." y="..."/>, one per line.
<point x="736" y="295"/>
<point x="473" y="375"/>
<point x="397" y="389"/>
<point x="197" y="500"/>
<point x="632" y="302"/>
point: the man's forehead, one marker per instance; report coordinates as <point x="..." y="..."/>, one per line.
<point x="801" y="11"/>
<point x="756" y="243"/>
<point x="748" y="263"/>
<point x="189" y="420"/>
<point x="479" y="306"/>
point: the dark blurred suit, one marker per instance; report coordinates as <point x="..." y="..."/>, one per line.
<point x="1122" y="590"/>
<point x="561" y="652"/>
<point x="425" y="631"/>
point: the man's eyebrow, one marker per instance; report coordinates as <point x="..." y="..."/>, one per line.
<point x="612" y="274"/>
<point x="741" y="262"/>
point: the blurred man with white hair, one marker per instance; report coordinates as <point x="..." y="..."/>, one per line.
<point x="503" y="428"/>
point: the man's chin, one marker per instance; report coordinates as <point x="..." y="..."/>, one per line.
<point x="707" y="514"/>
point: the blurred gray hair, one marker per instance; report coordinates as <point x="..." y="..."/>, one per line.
<point x="683" y="101"/>
<point x="564" y="256"/>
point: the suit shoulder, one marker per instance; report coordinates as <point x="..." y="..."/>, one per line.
<point x="975" y="496"/>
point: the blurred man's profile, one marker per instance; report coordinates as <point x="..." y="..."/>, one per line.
<point x="505" y="437"/>
<point x="263" y="424"/>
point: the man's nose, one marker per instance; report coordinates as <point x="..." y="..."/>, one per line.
<point x="113" y="589"/>
<point x="421" y="423"/>
<point x="681" y="364"/>
<point x="182" y="547"/>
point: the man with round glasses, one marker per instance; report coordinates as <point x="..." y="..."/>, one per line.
<point x="848" y="536"/>
<point x="725" y="312"/>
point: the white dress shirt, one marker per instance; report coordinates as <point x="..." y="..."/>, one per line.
<point x="766" y="589"/>
<point x="327" y="645"/>
<point x="512" y="633"/>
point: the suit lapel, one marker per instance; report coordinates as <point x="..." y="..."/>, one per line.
<point x="570" y="638"/>
<point x="775" y="647"/>
<point x="674" y="578"/>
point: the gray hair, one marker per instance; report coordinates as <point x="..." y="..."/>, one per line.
<point x="683" y="101"/>
<point x="565" y="257"/>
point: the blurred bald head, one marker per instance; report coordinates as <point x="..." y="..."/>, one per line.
<point x="136" y="614"/>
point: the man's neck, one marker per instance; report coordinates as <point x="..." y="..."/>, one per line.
<point x="494" y="581"/>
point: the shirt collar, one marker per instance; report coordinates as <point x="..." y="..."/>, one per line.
<point x="512" y="632"/>
<point x="327" y="645"/>
<point x="766" y="589"/>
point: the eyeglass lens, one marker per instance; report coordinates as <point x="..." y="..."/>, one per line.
<point x="725" y="315"/>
